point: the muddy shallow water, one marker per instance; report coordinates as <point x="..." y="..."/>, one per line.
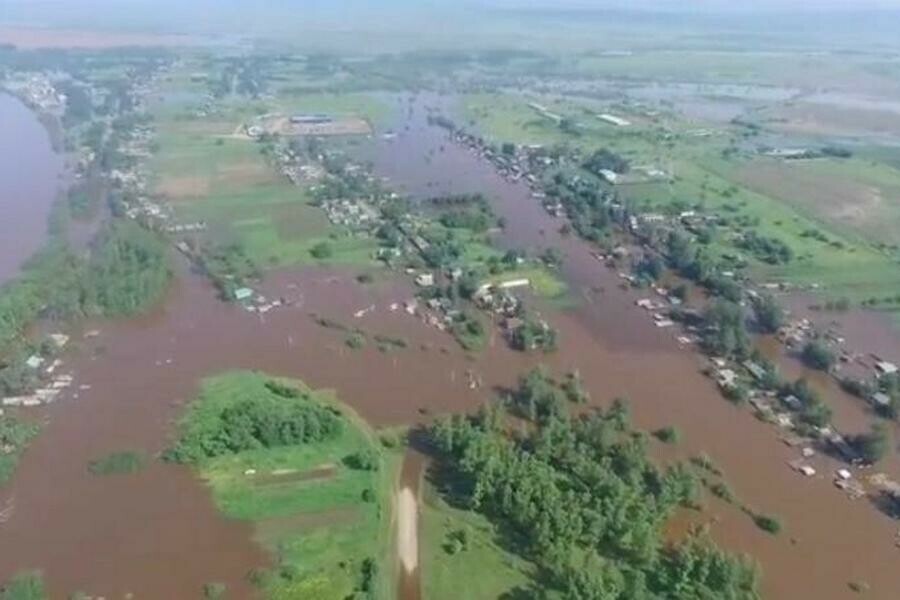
<point x="157" y="534"/>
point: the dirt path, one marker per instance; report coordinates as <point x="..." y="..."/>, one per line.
<point x="407" y="530"/>
<point x="409" y="585"/>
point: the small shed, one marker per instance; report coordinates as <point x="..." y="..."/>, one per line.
<point x="881" y="399"/>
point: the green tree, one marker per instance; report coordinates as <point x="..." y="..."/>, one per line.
<point x="769" y="314"/>
<point x="818" y="356"/>
<point x="726" y="332"/>
<point x="874" y="445"/>
<point x="321" y="251"/>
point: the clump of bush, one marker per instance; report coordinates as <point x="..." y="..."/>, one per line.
<point x="241" y="412"/>
<point x="667" y="435"/>
<point x="117" y="463"/>
<point x="768" y="524"/>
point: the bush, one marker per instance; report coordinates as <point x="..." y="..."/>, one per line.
<point x="356" y="341"/>
<point x="768" y="524"/>
<point x="872" y="446"/>
<point x="668" y="435"/>
<point x="769" y="314"/>
<point x="214" y="591"/>
<point x="362" y="461"/>
<point x="321" y="251"/>
<point x="818" y="356"/>
<point x="117" y="463"/>
<point x="456" y="541"/>
<point x="722" y="491"/>
<point x="24" y="586"/>
<point x="14" y="436"/>
<point x="736" y="393"/>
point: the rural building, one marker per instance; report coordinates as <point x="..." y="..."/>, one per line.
<point x="614" y="120"/>
<point x="425" y="279"/>
<point x="726" y="378"/>
<point x="792" y="402"/>
<point x="754" y="369"/>
<point x="881" y="399"/>
<point x="609" y="175"/>
<point x="886" y="368"/>
<point x="788" y="153"/>
<point x="242" y="294"/>
<point x="312" y="119"/>
<point x="513" y="283"/>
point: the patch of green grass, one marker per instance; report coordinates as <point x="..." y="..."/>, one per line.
<point x="480" y="569"/>
<point x="319" y="517"/>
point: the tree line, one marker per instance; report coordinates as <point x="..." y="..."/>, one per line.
<point x="586" y="502"/>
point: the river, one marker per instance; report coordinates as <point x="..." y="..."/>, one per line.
<point x="29" y="184"/>
<point x="157" y="534"/>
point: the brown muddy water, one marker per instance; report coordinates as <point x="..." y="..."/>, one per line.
<point x="156" y="533"/>
<point x="29" y="184"/>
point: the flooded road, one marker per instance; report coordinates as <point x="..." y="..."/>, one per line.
<point x="156" y="533"/>
<point x="29" y="184"/>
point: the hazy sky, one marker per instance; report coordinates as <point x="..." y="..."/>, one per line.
<point x="702" y="5"/>
<point x="673" y="5"/>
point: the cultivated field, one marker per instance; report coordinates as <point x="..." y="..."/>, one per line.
<point x="859" y="198"/>
<point x="223" y="180"/>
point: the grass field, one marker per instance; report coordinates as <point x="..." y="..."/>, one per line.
<point x="480" y="569"/>
<point x="317" y="515"/>
<point x="859" y="198"/>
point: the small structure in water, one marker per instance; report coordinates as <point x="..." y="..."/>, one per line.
<point x="242" y="294"/>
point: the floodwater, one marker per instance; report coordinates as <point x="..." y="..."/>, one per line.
<point x="29" y="184"/>
<point x="714" y="102"/>
<point x="156" y="533"/>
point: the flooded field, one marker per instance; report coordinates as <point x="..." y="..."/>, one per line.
<point x="29" y="184"/>
<point x="156" y="533"/>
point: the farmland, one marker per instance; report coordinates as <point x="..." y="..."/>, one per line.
<point x="211" y="175"/>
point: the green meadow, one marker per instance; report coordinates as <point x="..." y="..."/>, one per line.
<point x="326" y="518"/>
